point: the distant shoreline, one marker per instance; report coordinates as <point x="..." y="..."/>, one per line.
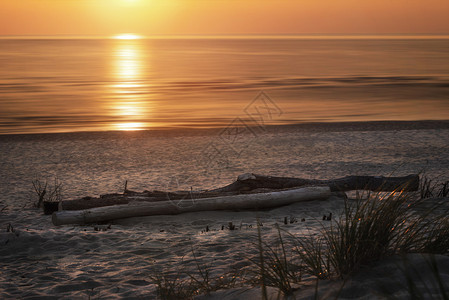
<point x="192" y="131"/>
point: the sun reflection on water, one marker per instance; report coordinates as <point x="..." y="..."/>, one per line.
<point x="130" y="126"/>
<point x="129" y="105"/>
<point x="128" y="63"/>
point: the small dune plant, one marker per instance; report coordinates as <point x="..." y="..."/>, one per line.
<point x="46" y="192"/>
<point x="314" y="258"/>
<point x="435" y="239"/>
<point x="170" y="287"/>
<point x="430" y="189"/>
<point x="275" y="266"/>
<point x="368" y="231"/>
<point x="188" y="283"/>
<point x="372" y="228"/>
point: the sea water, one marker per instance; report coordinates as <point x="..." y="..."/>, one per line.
<point x="66" y="85"/>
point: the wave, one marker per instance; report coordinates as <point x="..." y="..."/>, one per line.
<point x="311" y="82"/>
<point x="162" y="86"/>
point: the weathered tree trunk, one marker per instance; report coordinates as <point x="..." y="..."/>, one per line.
<point x="235" y="202"/>
<point x="249" y="181"/>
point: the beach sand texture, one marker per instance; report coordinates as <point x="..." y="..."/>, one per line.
<point x="78" y="262"/>
<point x="119" y="261"/>
<point x="39" y="259"/>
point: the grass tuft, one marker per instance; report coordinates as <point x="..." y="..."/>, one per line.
<point x="186" y="284"/>
<point x="46" y="192"/>
<point x="313" y="258"/>
<point x="436" y="239"/>
<point x="372" y="228"/>
<point x="429" y="189"/>
<point x="169" y="287"/>
<point x="366" y="232"/>
<point x="276" y="267"/>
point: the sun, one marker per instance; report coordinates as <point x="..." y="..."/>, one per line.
<point x="127" y="36"/>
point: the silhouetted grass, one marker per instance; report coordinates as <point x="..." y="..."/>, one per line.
<point x="188" y="283"/>
<point x="276" y="267"/>
<point x="313" y="257"/>
<point x="429" y="189"/>
<point x="436" y="238"/>
<point x="46" y="192"/>
<point x="169" y="287"/>
<point x="370" y="229"/>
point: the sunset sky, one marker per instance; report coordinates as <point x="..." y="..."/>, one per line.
<point x="209" y="17"/>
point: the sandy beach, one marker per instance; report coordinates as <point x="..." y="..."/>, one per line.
<point x="41" y="260"/>
<point x="120" y="259"/>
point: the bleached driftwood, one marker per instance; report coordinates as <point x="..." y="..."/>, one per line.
<point x="234" y="202"/>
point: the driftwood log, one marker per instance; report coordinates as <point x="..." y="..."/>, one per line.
<point x="251" y="183"/>
<point x="233" y="202"/>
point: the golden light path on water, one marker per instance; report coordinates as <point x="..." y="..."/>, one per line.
<point x="130" y="105"/>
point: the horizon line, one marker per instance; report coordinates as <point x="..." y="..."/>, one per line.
<point x="240" y="36"/>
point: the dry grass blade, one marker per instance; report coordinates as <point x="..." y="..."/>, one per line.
<point x="313" y="257"/>
<point x="364" y="233"/>
<point x="40" y="189"/>
<point x="170" y="287"/>
<point x="436" y="239"/>
<point x="47" y="192"/>
<point x="275" y="267"/>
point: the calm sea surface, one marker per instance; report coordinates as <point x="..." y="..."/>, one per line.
<point x="113" y="86"/>
<point x="71" y="85"/>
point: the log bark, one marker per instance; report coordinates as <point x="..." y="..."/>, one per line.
<point x="235" y="202"/>
<point x="250" y="181"/>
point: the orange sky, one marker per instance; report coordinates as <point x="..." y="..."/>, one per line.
<point x="147" y="17"/>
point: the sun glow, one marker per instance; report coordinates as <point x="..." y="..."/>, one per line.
<point x="127" y="36"/>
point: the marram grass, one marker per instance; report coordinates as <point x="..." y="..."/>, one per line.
<point x="373" y="228"/>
